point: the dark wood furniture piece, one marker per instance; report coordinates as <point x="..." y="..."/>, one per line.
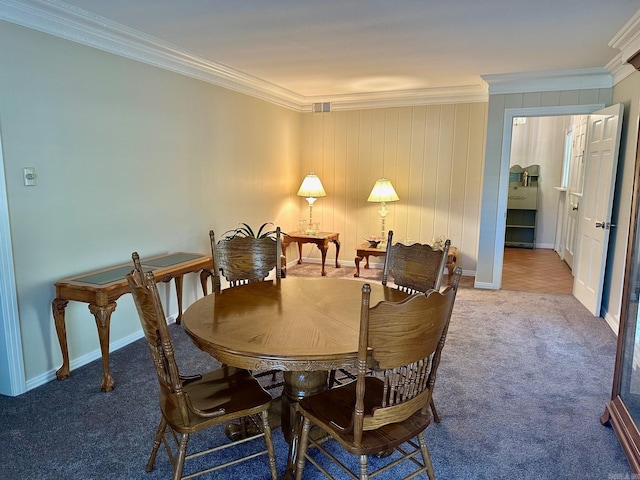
<point x="189" y="405"/>
<point x="320" y="239"/>
<point x="623" y="411"/>
<point x="415" y="268"/>
<point x="285" y="325"/>
<point x="241" y="260"/>
<point x="365" y="250"/>
<point x="402" y="342"/>
<point x="101" y="288"/>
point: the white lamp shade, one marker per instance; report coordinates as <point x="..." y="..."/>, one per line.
<point x="383" y="191"/>
<point x="311" y="187"/>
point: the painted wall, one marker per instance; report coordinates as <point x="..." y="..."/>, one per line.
<point x="128" y="157"/>
<point x="433" y="156"/>
<point x="626" y="92"/>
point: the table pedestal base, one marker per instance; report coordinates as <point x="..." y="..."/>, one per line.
<point x="297" y="385"/>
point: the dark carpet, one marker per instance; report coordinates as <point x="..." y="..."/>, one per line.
<point x="523" y="380"/>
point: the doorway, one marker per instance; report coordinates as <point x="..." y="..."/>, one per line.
<point x="538" y="144"/>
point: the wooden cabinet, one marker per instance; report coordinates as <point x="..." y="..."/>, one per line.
<point x="522" y="206"/>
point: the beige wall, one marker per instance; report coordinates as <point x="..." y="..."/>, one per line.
<point x="129" y="157"/>
<point x="626" y="92"/>
<point x="432" y="154"/>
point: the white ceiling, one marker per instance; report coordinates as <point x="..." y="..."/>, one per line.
<point x="324" y="48"/>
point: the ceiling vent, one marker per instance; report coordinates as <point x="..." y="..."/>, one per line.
<point x="322" y="107"/>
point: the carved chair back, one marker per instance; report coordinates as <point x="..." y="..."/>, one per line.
<point x="241" y="260"/>
<point x="414" y="268"/>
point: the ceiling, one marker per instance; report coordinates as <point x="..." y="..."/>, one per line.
<point x="327" y="48"/>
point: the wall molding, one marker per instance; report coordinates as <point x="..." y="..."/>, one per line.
<point x="66" y="21"/>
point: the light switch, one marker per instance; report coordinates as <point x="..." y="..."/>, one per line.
<point x="29" y="176"/>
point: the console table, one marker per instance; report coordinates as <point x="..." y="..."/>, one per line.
<point x="101" y="288"/>
<point x="365" y="250"/>
<point x="320" y="239"/>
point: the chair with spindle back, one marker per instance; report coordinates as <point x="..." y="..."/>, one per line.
<point x="402" y="342"/>
<point x="190" y="405"/>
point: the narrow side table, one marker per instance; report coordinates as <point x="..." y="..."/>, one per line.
<point x="365" y="250"/>
<point x="321" y="240"/>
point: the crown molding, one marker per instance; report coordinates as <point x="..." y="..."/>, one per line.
<point x="77" y="25"/>
<point x="404" y="98"/>
<point x="627" y="40"/>
<point x="550" y="80"/>
<point x="80" y="26"/>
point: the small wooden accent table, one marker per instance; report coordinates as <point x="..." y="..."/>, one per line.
<point x="365" y="250"/>
<point x="321" y="239"/>
<point x="286" y="325"/>
<point x="101" y="288"/>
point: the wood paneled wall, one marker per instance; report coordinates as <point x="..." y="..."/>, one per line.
<point x="433" y="155"/>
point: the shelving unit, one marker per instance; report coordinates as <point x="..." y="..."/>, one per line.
<point x="522" y="206"/>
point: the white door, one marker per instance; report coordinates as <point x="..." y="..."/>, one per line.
<point x="594" y="213"/>
<point x="575" y="186"/>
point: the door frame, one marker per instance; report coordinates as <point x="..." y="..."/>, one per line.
<point x="505" y="160"/>
<point x="12" y="376"/>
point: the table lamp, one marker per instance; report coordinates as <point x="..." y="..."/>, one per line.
<point x="383" y="192"/>
<point x="311" y="188"/>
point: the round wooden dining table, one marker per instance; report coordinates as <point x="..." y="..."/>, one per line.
<point x="303" y="326"/>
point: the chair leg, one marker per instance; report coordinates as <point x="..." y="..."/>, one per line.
<point x="332" y="378"/>
<point x="364" y="471"/>
<point x="182" y="454"/>
<point x="302" y="448"/>
<point x="436" y="417"/>
<point x="268" y="440"/>
<point x="156" y="443"/>
<point x="426" y="458"/>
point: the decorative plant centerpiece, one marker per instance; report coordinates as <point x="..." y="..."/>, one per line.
<point x="437" y="242"/>
<point x="247" y="231"/>
<point x="374" y="241"/>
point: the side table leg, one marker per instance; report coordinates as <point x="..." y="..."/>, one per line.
<point x="178" y="281"/>
<point x="103" y="322"/>
<point x="204" y="277"/>
<point x="58" y="306"/>
<point x="337" y="244"/>
<point x="323" y="250"/>
<point x="357" y="262"/>
<point x="299" y="253"/>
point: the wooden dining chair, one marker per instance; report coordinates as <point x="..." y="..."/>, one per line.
<point x="244" y="259"/>
<point x="189" y="405"/>
<point x="414" y="268"/>
<point x="402" y="342"/>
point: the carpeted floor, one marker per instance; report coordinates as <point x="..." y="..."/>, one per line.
<point x="523" y="380"/>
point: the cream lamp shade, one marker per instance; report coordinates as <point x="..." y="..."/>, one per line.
<point x="383" y="192"/>
<point x="311" y="189"/>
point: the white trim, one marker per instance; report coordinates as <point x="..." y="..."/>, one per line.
<point x="627" y="40"/>
<point x="77" y="25"/>
<point x="547" y="81"/>
<point x="13" y="378"/>
<point x="90" y="357"/>
<point x="505" y="159"/>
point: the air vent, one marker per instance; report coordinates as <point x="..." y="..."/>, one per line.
<point x="322" y="107"/>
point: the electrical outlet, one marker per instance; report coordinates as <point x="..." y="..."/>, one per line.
<point x="29" y="176"/>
